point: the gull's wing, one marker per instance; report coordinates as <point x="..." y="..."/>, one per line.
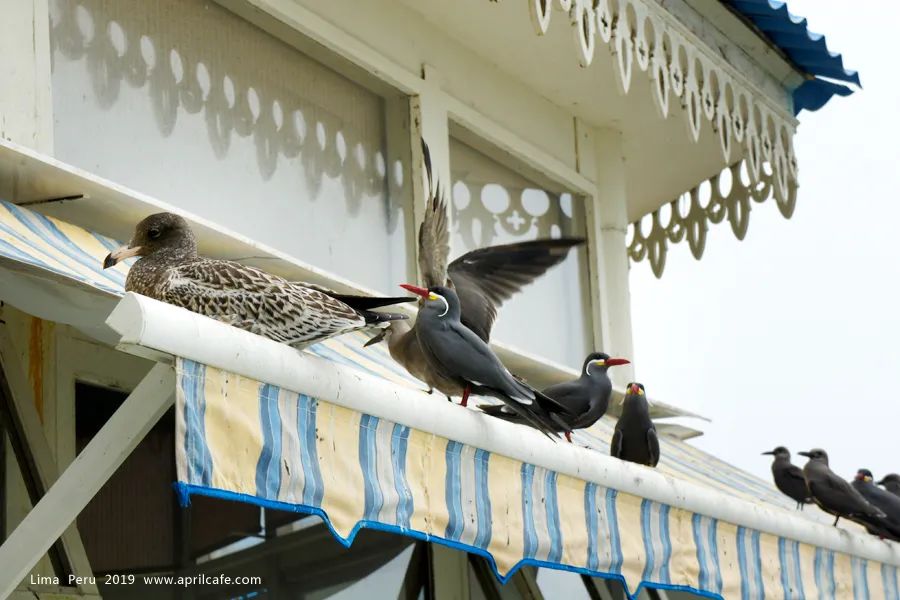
<point x="434" y="235"/>
<point x="257" y="301"/>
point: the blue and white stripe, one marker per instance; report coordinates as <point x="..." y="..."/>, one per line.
<point x="889" y="582"/>
<point x="657" y="544"/>
<point x="750" y="563"/>
<point x="192" y="379"/>
<point x="268" y="467"/>
<point x="540" y="514"/>
<point x="789" y="563"/>
<point x="467" y="495"/>
<point x="706" y="542"/>
<point x="859" y="568"/>
<point x="823" y="565"/>
<point x="399" y="446"/>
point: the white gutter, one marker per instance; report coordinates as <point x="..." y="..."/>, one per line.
<point x="145" y="324"/>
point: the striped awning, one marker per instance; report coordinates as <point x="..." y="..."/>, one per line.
<point x="253" y="442"/>
<point x="248" y="441"/>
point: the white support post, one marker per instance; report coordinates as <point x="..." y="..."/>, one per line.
<point x="26" y="115"/>
<point x="429" y="122"/>
<point x="78" y="484"/>
<point x="601" y="157"/>
<point x="33" y="435"/>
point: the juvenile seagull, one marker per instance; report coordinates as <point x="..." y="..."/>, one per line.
<point x="483" y="279"/>
<point x="293" y="313"/>
<point x="586" y="397"/>
<point x="789" y="477"/>
<point x="457" y="355"/>
<point x="635" y="438"/>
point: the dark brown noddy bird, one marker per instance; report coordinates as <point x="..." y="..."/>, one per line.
<point x="456" y="354"/>
<point x="789" y="477"/>
<point x="891" y="482"/>
<point x="169" y="269"/>
<point x="889" y="526"/>
<point x="483" y="279"/>
<point x="586" y="397"/>
<point x="635" y="438"/>
<point x="832" y="494"/>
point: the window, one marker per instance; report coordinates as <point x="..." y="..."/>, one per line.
<point x="493" y="204"/>
<point x="188" y="102"/>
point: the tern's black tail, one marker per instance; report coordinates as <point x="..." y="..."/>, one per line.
<point x="372" y="317"/>
<point x="364" y="303"/>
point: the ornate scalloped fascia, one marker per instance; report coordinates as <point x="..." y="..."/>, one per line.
<point x="712" y="201"/>
<point x="752" y="128"/>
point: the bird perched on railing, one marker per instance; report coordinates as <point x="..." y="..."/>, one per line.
<point x="635" y="438"/>
<point x="483" y="279"/>
<point x="891" y="482"/>
<point x="461" y="359"/>
<point x="169" y="269"/>
<point x="832" y="494"/>
<point x="789" y="477"/>
<point x="586" y="397"/>
<point x="886" y="502"/>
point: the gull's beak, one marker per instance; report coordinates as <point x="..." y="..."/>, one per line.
<point x="376" y="338"/>
<point x="612" y="362"/>
<point x="120" y="254"/>
<point x="415" y="289"/>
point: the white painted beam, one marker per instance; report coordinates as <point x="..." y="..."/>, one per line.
<point x="601" y="156"/>
<point x="147" y="323"/>
<point x="78" y="484"/>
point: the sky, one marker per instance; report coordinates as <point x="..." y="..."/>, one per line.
<point x="792" y="336"/>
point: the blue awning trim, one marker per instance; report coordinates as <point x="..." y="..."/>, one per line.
<point x="808" y="50"/>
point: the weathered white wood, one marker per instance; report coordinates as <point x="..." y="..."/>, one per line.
<point x="602" y="157"/>
<point x="41" y="453"/>
<point x="85" y="476"/>
<point x="451" y="573"/>
<point x="26" y="107"/>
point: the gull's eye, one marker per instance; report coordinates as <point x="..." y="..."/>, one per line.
<point x="154" y="233"/>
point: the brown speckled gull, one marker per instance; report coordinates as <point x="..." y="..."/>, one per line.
<point x="169" y="269"/>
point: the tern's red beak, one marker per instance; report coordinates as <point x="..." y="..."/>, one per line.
<point x="635" y="388"/>
<point x="415" y="289"/>
<point x="612" y="362"/>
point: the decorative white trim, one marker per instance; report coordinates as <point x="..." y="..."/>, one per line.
<point x="643" y="36"/>
<point x="691" y="213"/>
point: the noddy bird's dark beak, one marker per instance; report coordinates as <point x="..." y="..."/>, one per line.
<point x="376" y="338"/>
<point x="415" y="289"/>
<point x="771" y="452"/>
<point x="613" y="362"/>
<point x="806" y="454"/>
<point x="120" y="254"/>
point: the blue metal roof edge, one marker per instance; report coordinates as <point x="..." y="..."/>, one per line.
<point x="806" y="49"/>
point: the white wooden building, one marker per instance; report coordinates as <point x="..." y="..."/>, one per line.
<point x="287" y="132"/>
